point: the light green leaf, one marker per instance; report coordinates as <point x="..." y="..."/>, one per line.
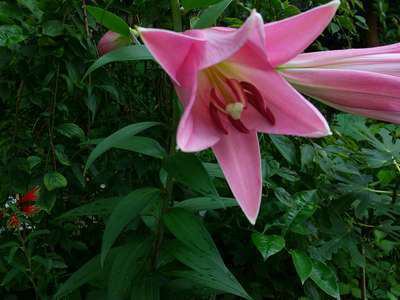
<point x="117" y="138"/>
<point x="302" y="264"/>
<point x="125" y="211"/>
<point x="325" y="278"/>
<point x="210" y="15"/>
<point x="54" y="180"/>
<point x="109" y="20"/>
<point x="207" y="203"/>
<point x="127" y="53"/>
<point x="188" y="169"/>
<point x="268" y="244"/>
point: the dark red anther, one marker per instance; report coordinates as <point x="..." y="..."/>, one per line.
<point x="237" y="90"/>
<point x="216" y="98"/>
<point x="255" y="98"/>
<point x="238" y="125"/>
<point x="215" y="117"/>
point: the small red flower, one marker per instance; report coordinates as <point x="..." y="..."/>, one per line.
<point x="26" y="202"/>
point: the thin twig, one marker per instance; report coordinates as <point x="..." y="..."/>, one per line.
<point x="52" y="119"/>
<point x="85" y="19"/>
<point x="17" y="102"/>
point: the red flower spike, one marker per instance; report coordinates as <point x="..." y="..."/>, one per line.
<point x="26" y="202"/>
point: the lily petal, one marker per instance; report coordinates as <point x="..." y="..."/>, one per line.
<point x="324" y="58"/>
<point x="370" y="94"/>
<point x="172" y="50"/>
<point x="222" y="44"/>
<point x="294" y="115"/>
<point x="195" y="130"/>
<point x="287" y="38"/>
<point x="242" y="169"/>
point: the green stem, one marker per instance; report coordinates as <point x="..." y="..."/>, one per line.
<point x="30" y="273"/>
<point x="176" y="15"/>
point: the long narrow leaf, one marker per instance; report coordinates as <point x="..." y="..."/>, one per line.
<point x="127" y="210"/>
<point x="116" y="138"/>
<point x="210" y="15"/>
<point x="127" y="53"/>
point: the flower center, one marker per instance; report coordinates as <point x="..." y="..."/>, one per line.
<point x="229" y="99"/>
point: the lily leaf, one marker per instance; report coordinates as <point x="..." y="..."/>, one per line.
<point x="127" y="53"/>
<point x="210" y="15"/>
<point x="117" y="138"/>
<point x="109" y="20"/>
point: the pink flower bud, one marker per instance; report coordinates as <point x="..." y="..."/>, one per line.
<point x="111" y="41"/>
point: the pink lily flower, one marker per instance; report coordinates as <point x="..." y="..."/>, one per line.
<point x="230" y="89"/>
<point x="360" y="81"/>
<point x="111" y="41"/>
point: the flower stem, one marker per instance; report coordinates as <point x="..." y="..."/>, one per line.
<point x="28" y="258"/>
<point x="176" y="15"/>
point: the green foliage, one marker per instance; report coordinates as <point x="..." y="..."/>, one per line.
<point x="123" y="215"/>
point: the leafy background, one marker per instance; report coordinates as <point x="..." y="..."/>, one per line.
<point x="125" y="217"/>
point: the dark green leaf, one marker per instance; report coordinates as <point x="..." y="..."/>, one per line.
<point x="139" y="144"/>
<point x="11" y="35"/>
<point x="127" y="53"/>
<point x="125" y="211"/>
<point x="210" y="15"/>
<point x="54" y="180"/>
<point x="325" y="278"/>
<point x="53" y="28"/>
<point x="197" y="250"/>
<point x="116" y="138"/>
<point x="71" y="130"/>
<point x="285" y="146"/>
<point x="206" y="203"/>
<point x="101" y="207"/>
<point x="268" y="244"/>
<point x="302" y="264"/>
<point x="304" y="206"/>
<point x="190" y="230"/>
<point x="89" y="271"/>
<point x="188" y="169"/>
<point x="126" y="266"/>
<point x="189" y="4"/>
<point x="147" y="288"/>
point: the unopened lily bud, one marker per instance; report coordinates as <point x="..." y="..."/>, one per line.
<point x="111" y="41"/>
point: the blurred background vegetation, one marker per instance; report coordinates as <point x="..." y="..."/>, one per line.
<point x="330" y="213"/>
